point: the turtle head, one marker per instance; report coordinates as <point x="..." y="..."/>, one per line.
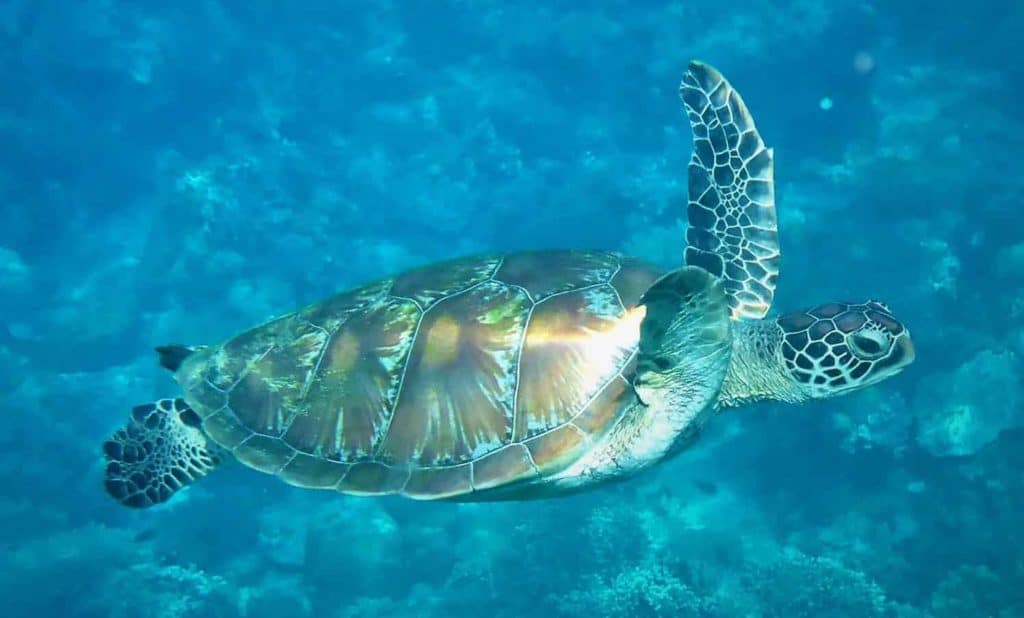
<point x="841" y="347"/>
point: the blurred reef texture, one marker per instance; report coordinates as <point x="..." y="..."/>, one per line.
<point x="176" y="172"/>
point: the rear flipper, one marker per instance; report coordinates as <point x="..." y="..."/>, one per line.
<point x="160" y="450"/>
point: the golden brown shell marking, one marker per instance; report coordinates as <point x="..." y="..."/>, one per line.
<point x="440" y="482"/>
<point x="351" y="397"/>
<point x="269" y="395"/>
<point x="330" y="313"/>
<point x="633" y="279"/>
<point x="313" y="472"/>
<point x="230" y="363"/>
<point x="598" y="416"/>
<point x="507" y="464"/>
<point x="457" y="396"/>
<point x="543" y="273"/>
<point x="557" y="447"/>
<point x="264" y="453"/>
<point x="576" y="343"/>
<point x="412" y="386"/>
<point x="432" y="283"/>
<point x="372" y="478"/>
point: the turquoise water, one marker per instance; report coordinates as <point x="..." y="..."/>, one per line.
<point x="178" y="174"/>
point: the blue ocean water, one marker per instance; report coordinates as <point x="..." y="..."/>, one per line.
<point x="179" y="172"/>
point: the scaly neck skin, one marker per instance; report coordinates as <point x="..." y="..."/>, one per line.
<point x="756" y="371"/>
<point x="646" y="433"/>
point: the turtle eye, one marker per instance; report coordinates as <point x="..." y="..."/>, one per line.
<point x="868" y="345"/>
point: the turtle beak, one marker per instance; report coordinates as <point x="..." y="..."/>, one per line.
<point x="902" y="355"/>
<point x="906" y="348"/>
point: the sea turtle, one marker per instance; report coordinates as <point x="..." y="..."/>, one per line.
<point x="522" y="375"/>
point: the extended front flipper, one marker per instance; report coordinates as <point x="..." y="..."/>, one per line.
<point x="732" y="231"/>
<point x="159" y="450"/>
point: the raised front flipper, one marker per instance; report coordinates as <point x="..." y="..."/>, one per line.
<point x="158" y="451"/>
<point x="732" y="233"/>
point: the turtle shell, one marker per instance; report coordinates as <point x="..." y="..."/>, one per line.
<point x="448" y="380"/>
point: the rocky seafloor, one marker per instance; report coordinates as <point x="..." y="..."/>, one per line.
<point x="177" y="173"/>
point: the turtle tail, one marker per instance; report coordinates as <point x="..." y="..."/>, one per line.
<point x="160" y="449"/>
<point x="173" y="355"/>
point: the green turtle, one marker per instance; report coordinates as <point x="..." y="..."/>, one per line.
<point x="523" y="375"/>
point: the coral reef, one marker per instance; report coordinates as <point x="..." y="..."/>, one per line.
<point x="968" y="407"/>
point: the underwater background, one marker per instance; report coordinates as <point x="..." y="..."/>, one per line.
<point x="181" y="171"/>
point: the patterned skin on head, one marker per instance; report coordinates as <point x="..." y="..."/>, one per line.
<point x="839" y="347"/>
